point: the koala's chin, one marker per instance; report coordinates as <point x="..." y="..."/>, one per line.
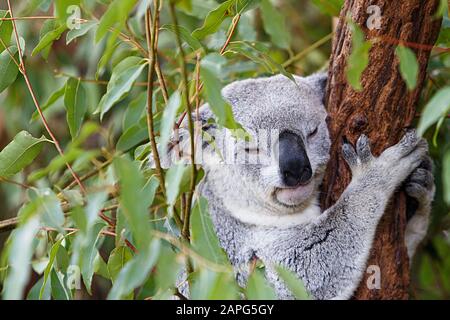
<point x="295" y="196"/>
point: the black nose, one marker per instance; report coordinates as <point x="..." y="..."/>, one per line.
<point x="294" y="164"/>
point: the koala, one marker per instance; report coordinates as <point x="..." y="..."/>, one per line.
<point x="268" y="208"/>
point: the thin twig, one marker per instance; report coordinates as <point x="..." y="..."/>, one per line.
<point x="22" y="185"/>
<point x="28" y="18"/>
<point x="234" y="24"/>
<point x="100" y="82"/>
<point x="89" y="174"/>
<point x="184" y="73"/>
<point x="152" y="48"/>
<point x="233" y="27"/>
<point x="23" y="70"/>
<point x="162" y="81"/>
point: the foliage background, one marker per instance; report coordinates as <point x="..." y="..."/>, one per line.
<point x="75" y="79"/>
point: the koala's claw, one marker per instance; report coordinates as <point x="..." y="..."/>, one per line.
<point x="350" y="155"/>
<point x="363" y="149"/>
<point x="362" y="155"/>
<point x="408" y="143"/>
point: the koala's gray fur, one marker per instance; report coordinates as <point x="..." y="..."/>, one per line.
<point x="327" y="250"/>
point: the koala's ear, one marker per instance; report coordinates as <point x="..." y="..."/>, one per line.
<point x="318" y="82"/>
<point x="179" y="147"/>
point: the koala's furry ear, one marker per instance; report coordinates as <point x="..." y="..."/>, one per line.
<point x="318" y="82"/>
<point x="178" y="147"/>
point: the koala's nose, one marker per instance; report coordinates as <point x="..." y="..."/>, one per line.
<point x="295" y="167"/>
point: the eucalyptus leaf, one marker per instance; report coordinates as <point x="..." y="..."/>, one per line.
<point x="20" y="153"/>
<point x="8" y="68"/>
<point x="435" y="109"/>
<point x="6" y="29"/>
<point x="75" y="102"/>
<point x="122" y="79"/>
<point x="409" y="68"/>
<point x="116" y="15"/>
<point x="274" y="25"/>
<point x="359" y="58"/>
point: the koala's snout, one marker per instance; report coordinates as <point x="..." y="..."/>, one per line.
<point x="294" y="164"/>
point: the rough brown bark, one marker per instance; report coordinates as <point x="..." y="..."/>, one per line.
<point x="382" y="111"/>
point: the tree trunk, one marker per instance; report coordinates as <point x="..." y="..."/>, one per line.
<point x="382" y="111"/>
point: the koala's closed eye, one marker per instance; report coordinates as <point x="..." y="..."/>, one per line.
<point x="312" y="133"/>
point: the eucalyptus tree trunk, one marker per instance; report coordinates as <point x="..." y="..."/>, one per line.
<point x="382" y="110"/>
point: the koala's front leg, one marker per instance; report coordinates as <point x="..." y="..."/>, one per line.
<point x="343" y="235"/>
<point x="420" y="187"/>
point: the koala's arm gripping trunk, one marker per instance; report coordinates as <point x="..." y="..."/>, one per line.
<point x="382" y="110"/>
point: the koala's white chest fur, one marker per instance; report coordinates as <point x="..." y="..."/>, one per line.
<point x="265" y="218"/>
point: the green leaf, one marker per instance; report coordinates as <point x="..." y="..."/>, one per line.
<point x="275" y="25"/>
<point x="210" y="285"/>
<point x="117" y="260"/>
<point x="115" y="16"/>
<point x="293" y="283"/>
<point x="168" y="269"/>
<point x="203" y="235"/>
<point x="49" y="268"/>
<point x="122" y="79"/>
<point x="133" y="136"/>
<point x="136" y="271"/>
<point x="61" y="9"/>
<point x="19" y="153"/>
<point x="84" y="247"/>
<point x="258" y="288"/>
<point x="76" y="33"/>
<point x="330" y="7"/>
<point x="442" y="9"/>
<point x="50" y="101"/>
<point x="8" y="68"/>
<point x="50" y="209"/>
<point x="409" y="68"/>
<point x="174" y="177"/>
<point x="213" y="90"/>
<point x="59" y="287"/>
<point x="435" y="109"/>
<point x="259" y="54"/>
<point x="185" y="35"/>
<point x="49" y="38"/>
<point x="111" y="46"/>
<point x="135" y="111"/>
<point x="60" y="162"/>
<point x="132" y="186"/>
<point x="446" y="176"/>
<point x="359" y="58"/>
<point x="6" y="29"/>
<point x="20" y="253"/>
<point x="33" y="294"/>
<point x="76" y="105"/>
<point x="89" y="253"/>
<point x="214" y="19"/>
<point x="168" y="120"/>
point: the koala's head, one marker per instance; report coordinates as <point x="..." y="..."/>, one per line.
<point x="280" y="169"/>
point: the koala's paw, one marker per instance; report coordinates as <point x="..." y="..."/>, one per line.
<point x="393" y="166"/>
<point x="420" y="187"/>
<point x="420" y="184"/>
